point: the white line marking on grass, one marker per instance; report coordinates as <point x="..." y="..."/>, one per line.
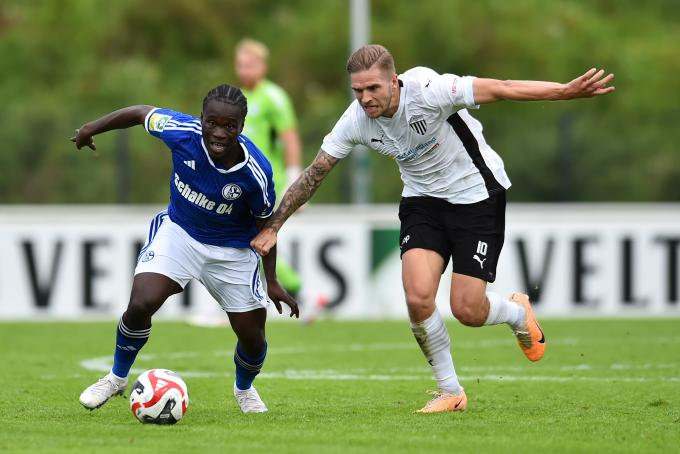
<point x="103" y="364"/>
<point x="618" y="366"/>
<point x="312" y="374"/>
<point x="568" y="379"/>
<point x="390" y="346"/>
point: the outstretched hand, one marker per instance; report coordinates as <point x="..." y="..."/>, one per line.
<point x="278" y="294"/>
<point x="264" y="241"/>
<point x="590" y="84"/>
<point x="83" y="140"/>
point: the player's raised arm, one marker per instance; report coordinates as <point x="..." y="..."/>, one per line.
<point x="119" y="119"/>
<point x="297" y="195"/>
<point x="592" y="83"/>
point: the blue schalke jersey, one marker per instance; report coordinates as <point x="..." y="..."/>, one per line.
<point x="214" y="205"/>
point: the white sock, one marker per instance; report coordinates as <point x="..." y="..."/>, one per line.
<point x="502" y="310"/>
<point x="434" y="341"/>
<point x="116" y="378"/>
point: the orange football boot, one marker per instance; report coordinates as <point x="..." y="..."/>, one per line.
<point x="531" y="340"/>
<point x="445" y="401"/>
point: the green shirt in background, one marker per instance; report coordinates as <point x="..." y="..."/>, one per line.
<point x="270" y="111"/>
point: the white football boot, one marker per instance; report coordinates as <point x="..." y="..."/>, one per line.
<point x="249" y="400"/>
<point x="106" y="387"/>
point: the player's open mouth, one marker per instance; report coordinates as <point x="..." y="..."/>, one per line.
<point x="218" y="146"/>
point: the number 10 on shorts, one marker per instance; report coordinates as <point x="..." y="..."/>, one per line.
<point x="481" y="248"/>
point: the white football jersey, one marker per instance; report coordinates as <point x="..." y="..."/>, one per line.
<point x="438" y="145"/>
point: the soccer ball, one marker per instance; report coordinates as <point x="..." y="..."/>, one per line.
<point x="159" y="396"/>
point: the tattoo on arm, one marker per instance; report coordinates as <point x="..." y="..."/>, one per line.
<point x="303" y="188"/>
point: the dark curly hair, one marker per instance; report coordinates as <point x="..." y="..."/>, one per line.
<point x="227" y="94"/>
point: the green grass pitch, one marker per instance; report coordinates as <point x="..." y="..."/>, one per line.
<point x="338" y="387"/>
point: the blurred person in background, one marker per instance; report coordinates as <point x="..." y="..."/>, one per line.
<point x="272" y="125"/>
<point x="221" y="193"/>
<point x="454" y="196"/>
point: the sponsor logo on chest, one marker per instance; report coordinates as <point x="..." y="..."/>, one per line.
<point x="417" y="150"/>
<point x="407" y="146"/>
<point x="229" y="192"/>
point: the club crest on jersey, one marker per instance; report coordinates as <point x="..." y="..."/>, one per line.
<point x="157" y="122"/>
<point x="231" y="191"/>
<point x="418" y="124"/>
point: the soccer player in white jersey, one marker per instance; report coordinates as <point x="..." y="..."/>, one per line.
<point x="221" y="193"/>
<point x="453" y="202"/>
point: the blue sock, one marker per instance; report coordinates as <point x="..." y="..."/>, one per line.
<point x="128" y="344"/>
<point x="247" y="367"/>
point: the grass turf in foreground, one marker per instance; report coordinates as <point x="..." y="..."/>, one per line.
<point x="604" y="386"/>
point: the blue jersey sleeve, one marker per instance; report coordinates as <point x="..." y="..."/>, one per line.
<point x="262" y="199"/>
<point x="171" y="127"/>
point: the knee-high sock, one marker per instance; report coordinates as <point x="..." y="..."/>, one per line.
<point x="502" y="310"/>
<point x="434" y="341"/>
<point x="247" y="367"/>
<point x="128" y="344"/>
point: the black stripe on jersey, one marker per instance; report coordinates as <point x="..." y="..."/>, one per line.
<point x="472" y="147"/>
<point x="419" y="126"/>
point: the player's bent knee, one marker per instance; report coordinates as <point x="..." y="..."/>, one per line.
<point x="468" y="314"/>
<point x="419" y="307"/>
<point x="253" y="348"/>
<point x="467" y="318"/>
<point x="253" y="341"/>
<point x="139" y="312"/>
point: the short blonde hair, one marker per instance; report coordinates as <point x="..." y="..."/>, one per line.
<point x="254" y="48"/>
<point x="373" y="54"/>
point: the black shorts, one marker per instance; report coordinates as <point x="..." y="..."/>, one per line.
<point x="471" y="234"/>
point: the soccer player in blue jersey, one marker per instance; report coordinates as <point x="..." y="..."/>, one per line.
<point x="221" y="193"/>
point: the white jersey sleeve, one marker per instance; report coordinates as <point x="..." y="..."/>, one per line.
<point x="449" y="90"/>
<point x="344" y="135"/>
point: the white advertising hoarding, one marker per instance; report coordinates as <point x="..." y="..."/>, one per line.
<point x="574" y="260"/>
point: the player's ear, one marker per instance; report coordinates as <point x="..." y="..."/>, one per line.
<point x="395" y="80"/>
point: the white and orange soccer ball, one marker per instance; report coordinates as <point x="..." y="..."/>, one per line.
<point x="159" y="396"/>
